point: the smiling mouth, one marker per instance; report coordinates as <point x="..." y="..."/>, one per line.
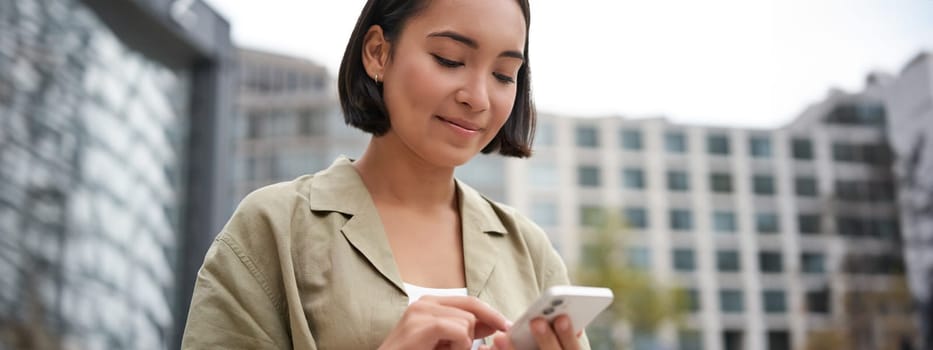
<point x="460" y="124"/>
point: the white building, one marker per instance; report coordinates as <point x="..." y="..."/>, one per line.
<point x="909" y="100"/>
<point x="769" y="230"/>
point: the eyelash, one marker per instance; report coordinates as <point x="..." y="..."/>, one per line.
<point x="502" y="78"/>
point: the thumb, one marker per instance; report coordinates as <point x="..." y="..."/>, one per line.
<point x="501" y="341"/>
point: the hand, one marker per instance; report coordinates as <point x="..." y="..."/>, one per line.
<point x="450" y="322"/>
<point x="558" y="337"/>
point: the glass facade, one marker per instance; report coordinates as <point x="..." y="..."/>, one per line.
<point x="92" y="193"/>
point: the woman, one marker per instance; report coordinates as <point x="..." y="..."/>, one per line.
<point x="342" y="258"/>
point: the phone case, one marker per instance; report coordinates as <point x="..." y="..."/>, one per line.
<point x="582" y="304"/>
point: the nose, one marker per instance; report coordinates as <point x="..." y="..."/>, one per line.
<point x="474" y="94"/>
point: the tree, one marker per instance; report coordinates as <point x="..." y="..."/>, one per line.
<point x="641" y="302"/>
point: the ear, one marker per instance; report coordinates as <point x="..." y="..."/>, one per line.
<point x="375" y="52"/>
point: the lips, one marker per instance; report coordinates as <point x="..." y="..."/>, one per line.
<point x="462" y="124"/>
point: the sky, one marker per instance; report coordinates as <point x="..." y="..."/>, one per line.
<point x="738" y="63"/>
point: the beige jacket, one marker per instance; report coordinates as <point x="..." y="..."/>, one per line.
<point x="305" y="264"/>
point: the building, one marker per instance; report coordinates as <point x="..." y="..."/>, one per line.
<point x="112" y="145"/>
<point x="763" y="227"/>
<point x="289" y="124"/>
<point x="909" y="101"/>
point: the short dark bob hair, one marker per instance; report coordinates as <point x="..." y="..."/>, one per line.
<point x="361" y="97"/>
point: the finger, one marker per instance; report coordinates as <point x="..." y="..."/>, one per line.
<point x="501" y="341"/>
<point x="451" y="332"/>
<point x="468" y="320"/>
<point x="564" y="329"/>
<point x="543" y="334"/>
<point x="485" y="315"/>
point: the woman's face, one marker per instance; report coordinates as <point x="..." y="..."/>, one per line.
<point x="450" y="83"/>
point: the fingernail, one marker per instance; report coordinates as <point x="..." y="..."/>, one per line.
<point x="563" y="324"/>
<point x="540" y="327"/>
<point x="508" y="324"/>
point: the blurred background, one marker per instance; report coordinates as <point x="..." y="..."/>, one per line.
<point x="746" y="174"/>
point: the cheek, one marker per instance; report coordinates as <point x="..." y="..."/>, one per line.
<point x="417" y="87"/>
<point x="502" y="102"/>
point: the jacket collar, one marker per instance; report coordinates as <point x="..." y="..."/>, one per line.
<point x="339" y="188"/>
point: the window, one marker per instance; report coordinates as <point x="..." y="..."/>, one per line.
<point x="639" y="258"/>
<point x="588" y="176"/>
<point x="778" y="340"/>
<point x="844" y="152"/>
<point x="690" y="340"/>
<point x="677" y="181"/>
<point x="763" y="185"/>
<point x="808" y="223"/>
<point x="730" y="301"/>
<point x="312" y="122"/>
<point x="766" y="223"/>
<point x="813" y="263"/>
<point x="693" y="300"/>
<point x="633" y="178"/>
<point x="818" y="301"/>
<point x="591" y="216"/>
<point x="675" y="142"/>
<point x="724" y="221"/>
<point x="544" y="213"/>
<point x="774" y="301"/>
<point x="770" y="262"/>
<point x="721" y="182"/>
<point x="872" y="115"/>
<point x="760" y="146"/>
<point x="805" y="186"/>
<point x="727" y="261"/>
<point x="717" y="144"/>
<point x="732" y="340"/>
<point x="631" y="139"/>
<point x="636" y="217"/>
<point x="587" y="137"/>
<point x="681" y="220"/>
<point x="801" y="148"/>
<point x="684" y="260"/>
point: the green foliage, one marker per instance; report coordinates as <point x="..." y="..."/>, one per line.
<point x="641" y="301"/>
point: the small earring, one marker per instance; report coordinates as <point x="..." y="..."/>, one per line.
<point x="376" y="78"/>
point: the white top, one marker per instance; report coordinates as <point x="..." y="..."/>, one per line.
<point x="416" y="292"/>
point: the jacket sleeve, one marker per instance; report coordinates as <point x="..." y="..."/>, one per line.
<point x="552" y="270"/>
<point x="233" y="305"/>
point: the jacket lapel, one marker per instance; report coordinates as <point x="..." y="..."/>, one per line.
<point x="339" y="188"/>
<point x="480" y="228"/>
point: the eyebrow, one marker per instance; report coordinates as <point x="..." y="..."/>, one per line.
<point x="472" y="43"/>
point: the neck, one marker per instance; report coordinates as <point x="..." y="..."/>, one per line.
<point x="395" y="175"/>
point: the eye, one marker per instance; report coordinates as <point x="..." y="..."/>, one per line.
<point x="505" y="79"/>
<point x="446" y="63"/>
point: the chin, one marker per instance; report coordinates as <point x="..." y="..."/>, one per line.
<point x="451" y="157"/>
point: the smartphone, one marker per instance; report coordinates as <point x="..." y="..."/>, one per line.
<point x="582" y="304"/>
